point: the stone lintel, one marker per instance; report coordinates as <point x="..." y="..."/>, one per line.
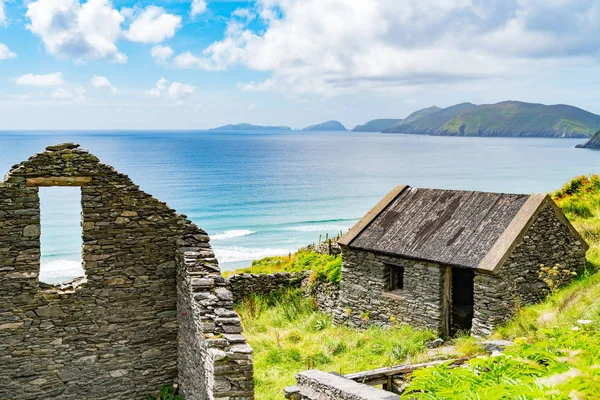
<point x="59" y="181"/>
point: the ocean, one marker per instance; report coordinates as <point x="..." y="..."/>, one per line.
<point x="268" y="193"/>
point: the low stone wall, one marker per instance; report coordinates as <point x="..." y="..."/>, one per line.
<point x="326" y="295"/>
<point x="319" y="385"/>
<point x="329" y="247"/>
<point x="244" y="285"/>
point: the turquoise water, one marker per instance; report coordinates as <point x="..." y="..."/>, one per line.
<point x="260" y="194"/>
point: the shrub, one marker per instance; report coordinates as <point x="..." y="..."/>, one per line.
<point x="326" y="268"/>
<point x="166" y="392"/>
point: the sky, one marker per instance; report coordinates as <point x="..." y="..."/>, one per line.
<point x="100" y="64"/>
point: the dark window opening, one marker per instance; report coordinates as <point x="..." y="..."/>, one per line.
<point x="61" y="234"/>
<point x="396" y="277"/>
<point x="462" y="300"/>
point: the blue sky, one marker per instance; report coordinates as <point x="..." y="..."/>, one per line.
<point x="97" y="64"/>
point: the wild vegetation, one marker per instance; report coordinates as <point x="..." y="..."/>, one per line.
<point x="325" y="267"/>
<point x="165" y="392"/>
<point x="288" y="336"/>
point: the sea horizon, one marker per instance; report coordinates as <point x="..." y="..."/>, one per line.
<point x="267" y="193"/>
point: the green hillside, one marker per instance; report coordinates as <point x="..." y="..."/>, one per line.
<point x="378" y="125"/>
<point x="508" y="118"/>
<point x="429" y="123"/>
<point x="420" y="114"/>
<point x="375" y="125"/>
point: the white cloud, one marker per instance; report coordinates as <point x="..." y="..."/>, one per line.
<point x="152" y="25"/>
<point x="188" y="60"/>
<point x="102" y="82"/>
<point x="77" y="94"/>
<point x="55" y="79"/>
<point x="90" y="30"/>
<point x="161" y="53"/>
<point x="198" y="7"/>
<point x="175" y="91"/>
<point x="2" y="14"/>
<point x="340" y="46"/>
<point x="179" y="91"/>
<point x="5" y="52"/>
<point x="83" y="32"/>
<point x="161" y="84"/>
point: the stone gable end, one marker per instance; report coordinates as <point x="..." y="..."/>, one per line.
<point x="154" y="309"/>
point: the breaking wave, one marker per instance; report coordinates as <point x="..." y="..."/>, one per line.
<point x="233" y="254"/>
<point x="232" y="234"/>
<point x="57" y="271"/>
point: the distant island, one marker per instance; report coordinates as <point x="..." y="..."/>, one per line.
<point x="326" y="126"/>
<point x="593" y="143"/>
<point x="250" y="127"/>
<point x="507" y="118"/>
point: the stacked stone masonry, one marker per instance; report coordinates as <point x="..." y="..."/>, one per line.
<point x="547" y="242"/>
<point x="244" y="285"/>
<point x="153" y="309"/>
<point x="364" y="297"/>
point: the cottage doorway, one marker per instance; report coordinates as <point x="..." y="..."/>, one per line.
<point x="461" y="316"/>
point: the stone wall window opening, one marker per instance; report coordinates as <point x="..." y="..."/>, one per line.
<point x="61" y="235"/>
<point x="396" y="277"/>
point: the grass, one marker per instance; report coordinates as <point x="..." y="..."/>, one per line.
<point x="289" y="336"/>
<point x="325" y="267"/>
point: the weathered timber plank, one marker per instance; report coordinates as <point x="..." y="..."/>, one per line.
<point x="383" y="373"/>
<point x="60" y="181"/>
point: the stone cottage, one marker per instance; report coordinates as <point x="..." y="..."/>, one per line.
<point x="452" y="260"/>
<point x="153" y="309"/>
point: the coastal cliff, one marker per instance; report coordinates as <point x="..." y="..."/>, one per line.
<point x="593" y="143"/>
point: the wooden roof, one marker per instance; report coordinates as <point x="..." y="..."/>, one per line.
<point x="461" y="228"/>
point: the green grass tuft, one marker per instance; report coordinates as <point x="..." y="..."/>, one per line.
<point x="326" y="268"/>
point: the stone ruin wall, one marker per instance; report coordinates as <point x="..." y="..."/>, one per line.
<point x="116" y="335"/>
<point x="325" y="294"/>
<point x="547" y="241"/>
<point x="245" y="285"/>
<point x="365" y="279"/>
